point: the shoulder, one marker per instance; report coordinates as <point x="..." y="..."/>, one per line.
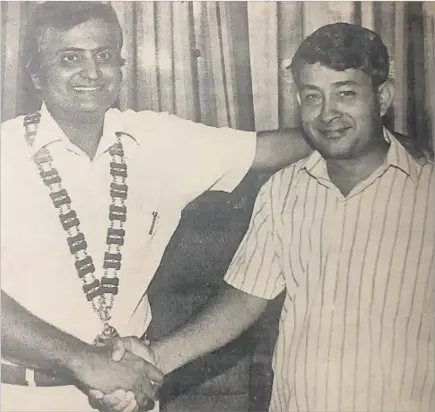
<point x="287" y="175"/>
<point x="426" y="173"/>
<point x="164" y="124"/>
<point x="413" y="148"/>
<point x="148" y="119"/>
<point x="12" y="127"/>
<point x="139" y="124"/>
<point x="13" y="144"/>
<point x="160" y="127"/>
<point x="278" y="186"/>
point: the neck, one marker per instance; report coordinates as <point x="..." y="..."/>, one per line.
<point x="347" y="173"/>
<point x="84" y="131"/>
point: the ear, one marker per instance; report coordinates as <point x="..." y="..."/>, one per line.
<point x="385" y="96"/>
<point x="298" y="98"/>
<point x="35" y="80"/>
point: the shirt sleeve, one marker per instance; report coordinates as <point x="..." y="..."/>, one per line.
<point x="12" y="156"/>
<point x="201" y="157"/>
<point x="256" y="267"/>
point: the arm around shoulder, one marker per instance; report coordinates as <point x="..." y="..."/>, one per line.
<point x="280" y="148"/>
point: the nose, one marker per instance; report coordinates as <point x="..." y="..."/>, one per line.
<point x="90" y="70"/>
<point x="329" y="110"/>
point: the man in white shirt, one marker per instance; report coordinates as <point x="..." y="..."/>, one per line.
<point x="90" y="199"/>
<point x="118" y="182"/>
<point x="349" y="233"/>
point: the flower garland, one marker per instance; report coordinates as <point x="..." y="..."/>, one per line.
<point x="99" y="292"/>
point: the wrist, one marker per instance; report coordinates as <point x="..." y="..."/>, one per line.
<point x="167" y="358"/>
<point x="80" y="363"/>
<point x="155" y="349"/>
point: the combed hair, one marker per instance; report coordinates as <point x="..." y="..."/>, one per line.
<point x="62" y="15"/>
<point x="342" y="46"/>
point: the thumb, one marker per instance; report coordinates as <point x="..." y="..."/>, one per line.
<point x="96" y="394"/>
<point x="139" y="348"/>
<point x="118" y="350"/>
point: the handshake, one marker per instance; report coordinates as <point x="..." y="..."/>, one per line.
<point x="123" y="377"/>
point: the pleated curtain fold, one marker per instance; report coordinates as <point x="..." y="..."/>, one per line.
<point x="227" y="63"/>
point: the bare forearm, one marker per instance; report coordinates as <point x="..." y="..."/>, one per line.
<point x="278" y="149"/>
<point x="224" y="319"/>
<point x="31" y="342"/>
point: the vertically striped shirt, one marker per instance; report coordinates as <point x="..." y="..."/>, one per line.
<point x="356" y="329"/>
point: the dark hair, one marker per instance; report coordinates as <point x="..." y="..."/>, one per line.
<point x="62" y="15"/>
<point x="342" y="46"/>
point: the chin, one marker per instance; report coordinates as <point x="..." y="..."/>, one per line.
<point x="334" y="152"/>
<point x="92" y="108"/>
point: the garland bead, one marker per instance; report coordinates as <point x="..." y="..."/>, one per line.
<point x="90" y="286"/>
<point x="110" y="281"/>
<point x="97" y="292"/>
<point x="119" y="188"/>
<point x="116" y="165"/>
<point x="116" y="172"/>
<point x="113" y="256"/>
<point x="115" y="240"/>
<point x="107" y="264"/>
<point x="110" y="289"/>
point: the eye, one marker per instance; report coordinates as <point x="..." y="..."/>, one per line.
<point x="104" y="56"/>
<point x="347" y="93"/>
<point x="70" y="58"/>
<point x="312" y="98"/>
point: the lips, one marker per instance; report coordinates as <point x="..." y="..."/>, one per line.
<point x="335" y="133"/>
<point x="87" y="89"/>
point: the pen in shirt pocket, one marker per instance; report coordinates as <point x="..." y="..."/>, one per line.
<point x="153" y="222"/>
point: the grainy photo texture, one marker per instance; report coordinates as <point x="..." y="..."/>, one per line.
<point x="217" y="206"/>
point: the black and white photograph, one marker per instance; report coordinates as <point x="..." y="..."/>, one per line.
<point x="217" y="206"/>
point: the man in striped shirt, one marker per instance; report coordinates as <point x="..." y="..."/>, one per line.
<point x="349" y="234"/>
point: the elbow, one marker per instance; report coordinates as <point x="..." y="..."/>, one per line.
<point x="279" y="149"/>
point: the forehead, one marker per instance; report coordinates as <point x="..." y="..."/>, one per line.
<point x="323" y="77"/>
<point x="88" y="35"/>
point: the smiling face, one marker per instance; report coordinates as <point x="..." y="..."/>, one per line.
<point x="341" y="110"/>
<point x="80" y="68"/>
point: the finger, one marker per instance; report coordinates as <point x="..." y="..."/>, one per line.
<point x="154" y="374"/>
<point x="132" y="406"/>
<point x="148" y="406"/>
<point x="145" y="404"/>
<point x="96" y="394"/>
<point x="139" y="348"/>
<point x="145" y="398"/>
<point x="118" y="350"/>
<point x="114" y="398"/>
<point x="125" y="402"/>
<point x="147" y="391"/>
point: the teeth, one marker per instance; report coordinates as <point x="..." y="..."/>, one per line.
<point x="86" y="89"/>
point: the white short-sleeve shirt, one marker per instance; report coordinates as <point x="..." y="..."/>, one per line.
<point x="170" y="162"/>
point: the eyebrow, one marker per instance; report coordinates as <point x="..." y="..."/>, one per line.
<point x="346" y="83"/>
<point x="337" y="84"/>
<point x="78" y="49"/>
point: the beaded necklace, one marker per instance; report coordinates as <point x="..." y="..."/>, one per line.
<point x="99" y="292"/>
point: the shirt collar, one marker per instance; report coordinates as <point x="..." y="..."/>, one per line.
<point x="50" y="132"/>
<point x="397" y="156"/>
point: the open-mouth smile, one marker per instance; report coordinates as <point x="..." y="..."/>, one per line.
<point x="334" y="133"/>
<point x="87" y="89"/>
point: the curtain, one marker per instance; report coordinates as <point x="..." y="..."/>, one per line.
<point x="227" y="63"/>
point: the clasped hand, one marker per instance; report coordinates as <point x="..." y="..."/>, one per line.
<point x="141" y="392"/>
